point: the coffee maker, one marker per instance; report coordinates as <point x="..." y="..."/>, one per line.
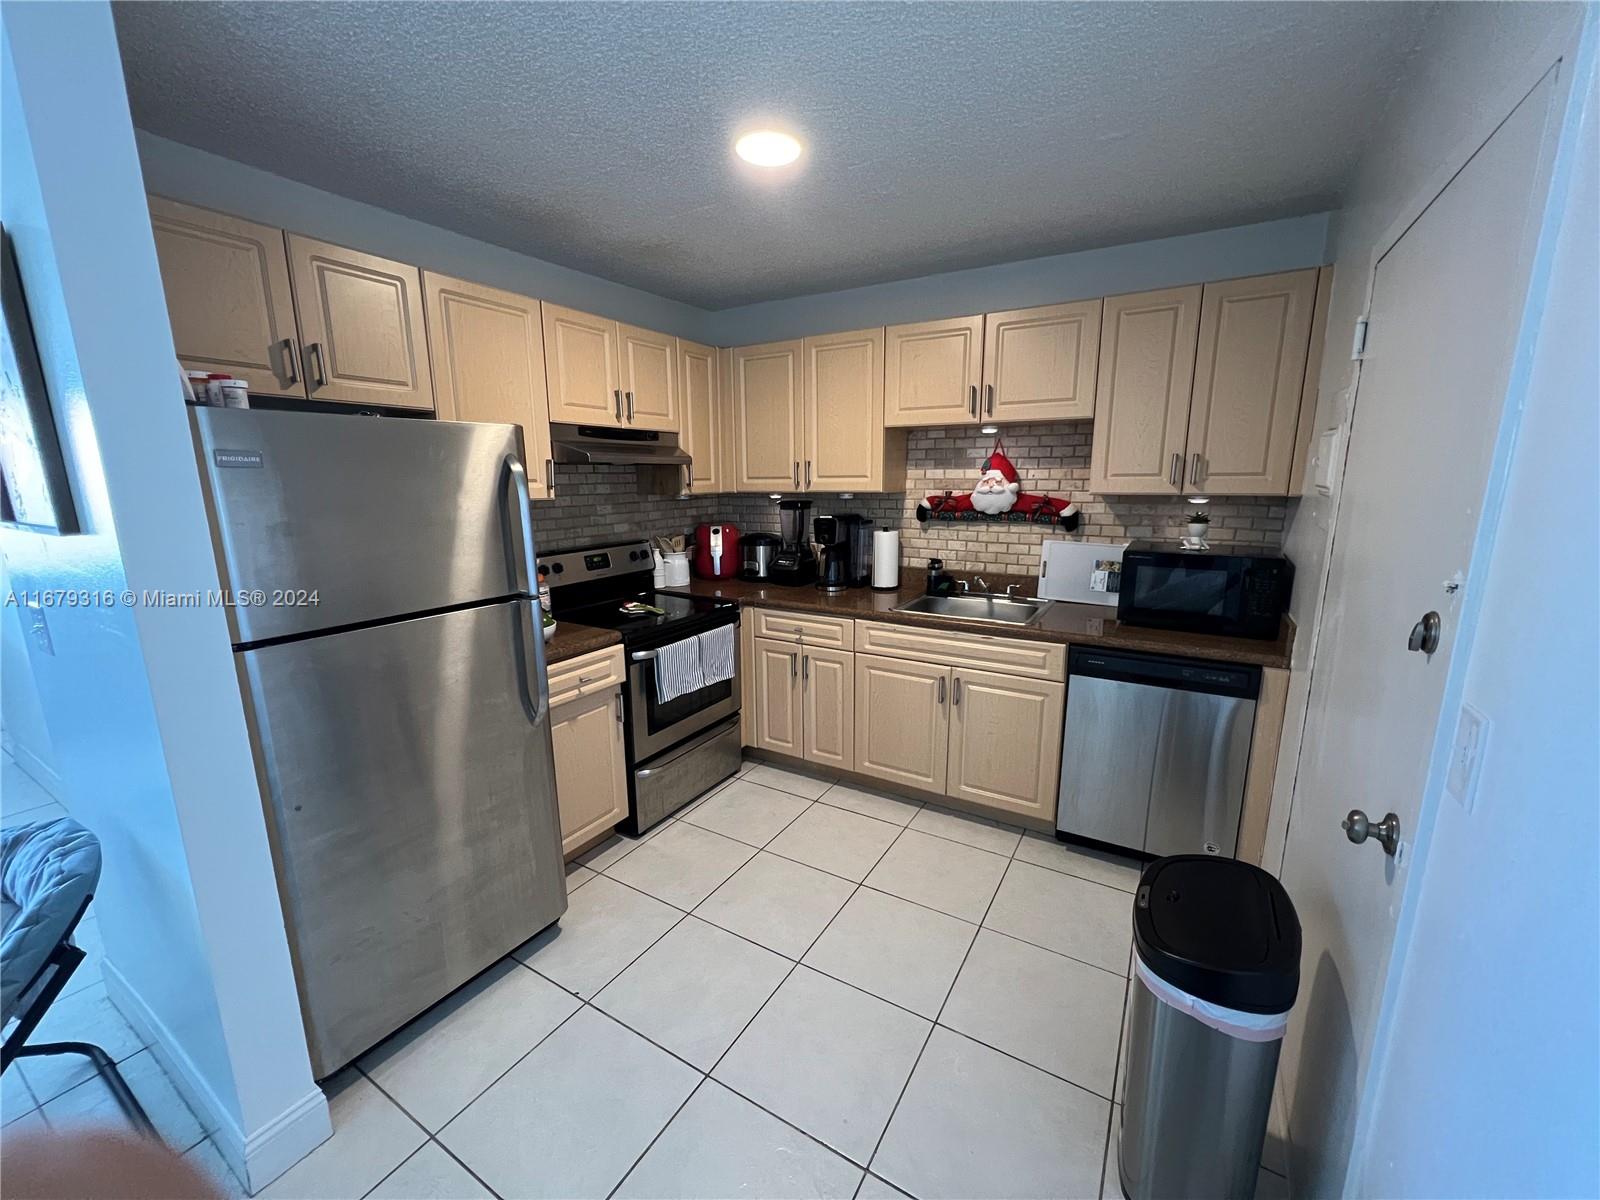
<point x="793" y="564"/>
<point x="844" y="544"/>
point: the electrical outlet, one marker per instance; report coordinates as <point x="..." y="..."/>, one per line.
<point x="1466" y="756"/>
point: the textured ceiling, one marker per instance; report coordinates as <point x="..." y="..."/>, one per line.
<point x="940" y="136"/>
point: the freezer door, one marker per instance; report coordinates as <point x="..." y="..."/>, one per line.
<point x="322" y="521"/>
<point x="411" y="797"/>
<point x="1197" y="792"/>
<point x="1107" y="758"/>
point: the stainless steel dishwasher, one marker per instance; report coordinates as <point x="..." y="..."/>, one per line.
<point x="1155" y="751"/>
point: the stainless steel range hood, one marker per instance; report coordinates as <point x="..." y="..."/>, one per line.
<point x="627" y="447"/>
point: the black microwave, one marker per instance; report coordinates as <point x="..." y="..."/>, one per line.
<point x="1234" y="590"/>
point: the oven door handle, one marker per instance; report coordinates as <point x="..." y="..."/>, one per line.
<point x="644" y="655"/>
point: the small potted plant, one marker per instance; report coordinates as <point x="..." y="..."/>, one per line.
<point x="1199" y="526"/>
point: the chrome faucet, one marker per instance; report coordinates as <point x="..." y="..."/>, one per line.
<point x="983" y="584"/>
<point x="1013" y="590"/>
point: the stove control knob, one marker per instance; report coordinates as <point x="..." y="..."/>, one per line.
<point x="557" y="568"/>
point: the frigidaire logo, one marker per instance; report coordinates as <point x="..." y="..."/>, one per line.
<point x="236" y="458"/>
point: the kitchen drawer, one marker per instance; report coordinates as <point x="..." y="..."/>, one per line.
<point x="1013" y="656"/>
<point x="586" y="675"/>
<point x="831" y="632"/>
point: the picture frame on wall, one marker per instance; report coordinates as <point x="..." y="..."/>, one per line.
<point x="35" y="492"/>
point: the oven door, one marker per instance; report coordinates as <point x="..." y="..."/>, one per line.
<point x="653" y="726"/>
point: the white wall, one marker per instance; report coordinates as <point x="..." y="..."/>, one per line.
<point x="22" y="728"/>
<point x="184" y="173"/>
<point x="1138" y="266"/>
<point x="1491" y="1081"/>
<point x="1474" y="62"/>
<point x="142" y="703"/>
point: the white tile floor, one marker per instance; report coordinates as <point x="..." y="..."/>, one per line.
<point x="795" y="988"/>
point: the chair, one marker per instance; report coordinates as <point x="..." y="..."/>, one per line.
<point x="48" y="873"/>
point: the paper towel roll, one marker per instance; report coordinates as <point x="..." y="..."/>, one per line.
<point x="885" y="558"/>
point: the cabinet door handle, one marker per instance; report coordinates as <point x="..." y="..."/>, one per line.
<point x="616" y="403"/>
<point x="630" y="406"/>
<point x="290" y="371"/>
<point x="805" y="668"/>
<point x="972" y="401"/>
<point x="550" y="477"/>
<point x="1175" y="476"/>
<point x="793" y="667"/>
<point x="1194" y="470"/>
<point x="988" y="390"/>
<point x="941" y="689"/>
<point x="619" y="706"/>
<point x="955" y="691"/>
<point x="797" y="474"/>
<point x="319" y="377"/>
<point x="808" y="474"/>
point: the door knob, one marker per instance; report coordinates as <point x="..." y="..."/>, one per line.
<point x="1425" y="633"/>
<point x="1358" y="828"/>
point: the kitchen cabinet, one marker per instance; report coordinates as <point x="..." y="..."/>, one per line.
<point x="775" y="695"/>
<point x="1200" y="388"/>
<point x="1141" y="416"/>
<point x="699" y="381"/>
<point x="933" y="370"/>
<point x="766" y="416"/>
<point x="362" y="326"/>
<point x="602" y="372"/>
<point x="1309" y="393"/>
<point x="1039" y="364"/>
<point x="591" y="768"/>
<point x="902" y="722"/>
<point x="1005" y="742"/>
<point x="487" y="351"/>
<point x="228" y="296"/>
<point x="1249" y="374"/>
<point x="827" y="706"/>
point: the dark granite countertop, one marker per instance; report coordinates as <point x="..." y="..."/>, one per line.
<point x="1064" y="622"/>
<point x="571" y="640"/>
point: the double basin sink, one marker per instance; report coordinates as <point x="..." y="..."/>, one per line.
<point x="978" y="606"/>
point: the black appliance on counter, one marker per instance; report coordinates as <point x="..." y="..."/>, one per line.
<point x="794" y="564"/>
<point x="757" y="550"/>
<point x="678" y="749"/>
<point x="844" y="543"/>
<point x="1238" y="591"/>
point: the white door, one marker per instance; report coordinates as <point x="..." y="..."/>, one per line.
<point x="1444" y="316"/>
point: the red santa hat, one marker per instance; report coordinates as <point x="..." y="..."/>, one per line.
<point x="997" y="461"/>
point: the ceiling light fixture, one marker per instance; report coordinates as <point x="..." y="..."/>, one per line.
<point x="768" y="148"/>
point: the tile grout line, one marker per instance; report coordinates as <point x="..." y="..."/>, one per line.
<point x="427" y="1134"/>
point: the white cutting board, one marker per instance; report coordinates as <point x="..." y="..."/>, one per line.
<point x="1068" y="571"/>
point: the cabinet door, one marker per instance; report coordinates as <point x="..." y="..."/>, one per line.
<point x="828" y="702"/>
<point x="647" y="369"/>
<point x="701" y="435"/>
<point x="932" y="372"/>
<point x="1005" y="742"/>
<point x="487" y="348"/>
<point x="779" y="724"/>
<point x="1249" y="373"/>
<point x="727" y="455"/>
<point x="843" y="412"/>
<point x="228" y="297"/>
<point x="361" y="318"/>
<point x="766" y="414"/>
<point x="902" y="721"/>
<point x="1141" y="412"/>
<point x="1039" y="363"/>
<point x="591" y="767"/>
<point x="580" y="363"/>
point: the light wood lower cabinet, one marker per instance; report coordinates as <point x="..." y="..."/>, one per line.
<point x="591" y="767"/>
<point x="902" y="721"/>
<point x="775" y="695"/>
<point x="828" y="706"/>
<point x="1005" y="742"/>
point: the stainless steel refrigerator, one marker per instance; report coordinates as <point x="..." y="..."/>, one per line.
<point x="387" y="633"/>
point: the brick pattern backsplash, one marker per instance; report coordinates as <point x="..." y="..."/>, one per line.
<point x="595" y="504"/>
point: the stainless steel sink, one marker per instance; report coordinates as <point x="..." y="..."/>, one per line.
<point x="1001" y="610"/>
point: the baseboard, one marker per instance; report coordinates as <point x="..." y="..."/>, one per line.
<point x="256" y="1158"/>
<point x="35" y="767"/>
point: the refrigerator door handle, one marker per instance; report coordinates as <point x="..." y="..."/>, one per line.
<point x="532" y="619"/>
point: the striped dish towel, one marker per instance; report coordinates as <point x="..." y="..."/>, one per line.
<point x="716" y="653"/>
<point x="678" y="670"/>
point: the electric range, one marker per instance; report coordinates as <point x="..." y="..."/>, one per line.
<point x="676" y="749"/>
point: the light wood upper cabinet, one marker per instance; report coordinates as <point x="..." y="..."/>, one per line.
<point x="1039" y="363"/>
<point x="779" y="721"/>
<point x="487" y="348"/>
<point x="842" y="414"/>
<point x="933" y="371"/>
<point x="1146" y="373"/>
<point x="1309" y="393"/>
<point x="1005" y="742"/>
<point x="580" y="353"/>
<point x="766" y="416"/>
<point x="902" y="721"/>
<point x="362" y="324"/>
<point x="228" y="296"/>
<point x="647" y="369"/>
<point x="1249" y="371"/>
<point x="828" y="706"/>
<point x="591" y="768"/>
<point x="727" y="453"/>
<point x="699" y="383"/>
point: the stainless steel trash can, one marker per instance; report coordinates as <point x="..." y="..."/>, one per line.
<point x="1216" y="970"/>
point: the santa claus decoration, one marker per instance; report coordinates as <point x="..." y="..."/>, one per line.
<point x="999" y="495"/>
